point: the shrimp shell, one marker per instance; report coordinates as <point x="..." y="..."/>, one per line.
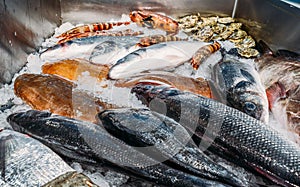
<point x="203" y="53"/>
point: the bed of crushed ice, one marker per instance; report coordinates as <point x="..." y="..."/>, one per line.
<point x="104" y="176"/>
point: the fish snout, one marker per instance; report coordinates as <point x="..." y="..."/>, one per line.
<point x="15" y="120"/>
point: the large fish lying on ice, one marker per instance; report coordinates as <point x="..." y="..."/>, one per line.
<point x="238" y="85"/>
<point x="167" y="140"/>
<point x="98" y="49"/>
<point x="78" y="139"/>
<point x="155" y="57"/>
<point x="27" y="162"/>
<point x="231" y="132"/>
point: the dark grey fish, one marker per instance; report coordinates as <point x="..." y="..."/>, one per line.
<point x="163" y="137"/>
<point x="83" y="138"/>
<point x="230" y="132"/>
<point x="238" y="85"/>
<point x="27" y="162"/>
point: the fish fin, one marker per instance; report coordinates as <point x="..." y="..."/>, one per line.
<point x="263" y="48"/>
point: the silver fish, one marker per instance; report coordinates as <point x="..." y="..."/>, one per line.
<point x="231" y="133"/>
<point x="69" y="136"/>
<point x="155" y="57"/>
<point x="238" y="85"/>
<point x="27" y="162"/>
<point x="99" y="49"/>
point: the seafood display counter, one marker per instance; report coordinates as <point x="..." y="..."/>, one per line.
<point x="149" y="93"/>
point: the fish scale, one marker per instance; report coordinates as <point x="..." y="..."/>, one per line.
<point x="167" y="138"/>
<point x="252" y="141"/>
<point x="90" y="140"/>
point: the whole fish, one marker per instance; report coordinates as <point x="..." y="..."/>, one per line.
<point x="238" y="85"/>
<point x="27" y="162"/>
<point x="75" y="138"/>
<point x="231" y="133"/>
<point x="198" y="86"/>
<point x="155" y="57"/>
<point x="166" y="138"/>
<point x="99" y="49"/>
<point x="58" y="95"/>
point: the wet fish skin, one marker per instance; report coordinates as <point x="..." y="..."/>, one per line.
<point x="240" y="87"/>
<point x="198" y="86"/>
<point x="251" y="141"/>
<point x="96" y="142"/>
<point x="58" y="95"/>
<point x="27" y="162"/>
<point x="158" y="56"/>
<point x="167" y="139"/>
<point x="91" y="48"/>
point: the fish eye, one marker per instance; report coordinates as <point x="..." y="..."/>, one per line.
<point x="249" y="107"/>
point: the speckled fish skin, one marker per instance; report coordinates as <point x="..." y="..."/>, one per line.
<point x="140" y="127"/>
<point x="92" y="140"/>
<point x="27" y="162"/>
<point x="246" y="138"/>
<point x="240" y="87"/>
<point x="155" y="57"/>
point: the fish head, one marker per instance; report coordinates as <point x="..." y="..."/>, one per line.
<point x="154" y="94"/>
<point x="126" y="119"/>
<point x="27" y="121"/>
<point x="248" y="101"/>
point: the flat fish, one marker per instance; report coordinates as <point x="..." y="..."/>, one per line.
<point x="238" y="85"/>
<point x="72" y="69"/>
<point x="99" y="49"/>
<point x="155" y="57"/>
<point x="27" y="162"/>
<point x="231" y="133"/>
<point x="167" y="140"/>
<point x="73" y="137"/>
<point x="58" y="95"/>
<point x="198" y="86"/>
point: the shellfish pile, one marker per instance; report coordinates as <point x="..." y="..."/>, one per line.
<point x="219" y="28"/>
